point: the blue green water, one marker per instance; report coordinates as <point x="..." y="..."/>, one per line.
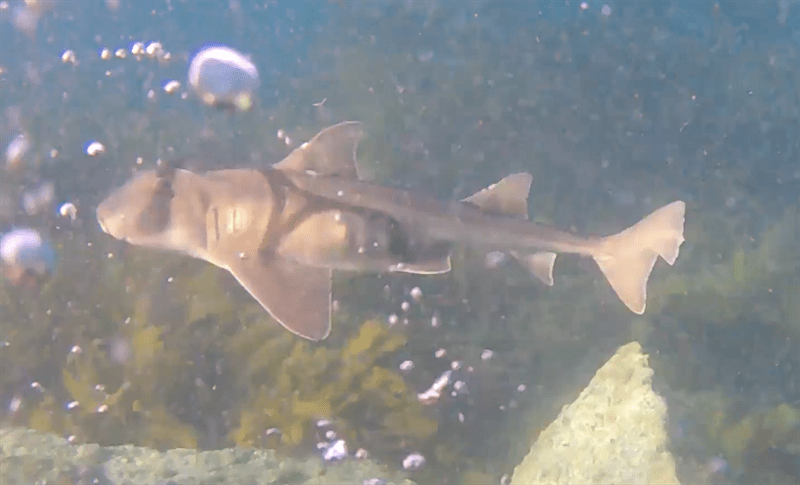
<point x="616" y="108"/>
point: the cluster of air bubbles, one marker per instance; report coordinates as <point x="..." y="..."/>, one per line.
<point x="332" y="446"/>
<point x="282" y="136"/>
<point x="220" y="76"/>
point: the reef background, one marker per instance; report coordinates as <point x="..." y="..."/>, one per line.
<point x="615" y="112"/>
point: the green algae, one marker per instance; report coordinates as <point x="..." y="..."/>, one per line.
<point x="757" y="281"/>
<point x="293" y="384"/>
<point x="128" y="354"/>
<point x="742" y="439"/>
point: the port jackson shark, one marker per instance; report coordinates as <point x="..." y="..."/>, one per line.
<point x="282" y="230"/>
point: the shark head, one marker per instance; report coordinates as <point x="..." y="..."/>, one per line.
<point x="139" y="210"/>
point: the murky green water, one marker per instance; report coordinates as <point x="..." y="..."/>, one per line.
<point x="616" y="109"/>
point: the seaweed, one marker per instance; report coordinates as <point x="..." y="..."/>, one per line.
<point x="758" y="282"/>
<point x="293" y="384"/>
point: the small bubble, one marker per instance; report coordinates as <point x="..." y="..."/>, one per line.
<point x="416" y="293"/>
<point x="405" y="306"/>
<point x="414" y="461"/>
<point x="521" y="388"/>
<point x="393" y="319"/>
<point x="95" y="148"/>
<point x="487" y="354"/>
<point x="68" y="209"/>
<point x="336" y="451"/>
<point x="440" y="353"/>
<point x="154" y="49"/>
<point x="137" y="49"/>
<point x="69" y="57"/>
<point x="406" y="365"/>
<point x="172" y="86"/>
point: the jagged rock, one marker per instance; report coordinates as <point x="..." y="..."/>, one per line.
<point x="612" y="433"/>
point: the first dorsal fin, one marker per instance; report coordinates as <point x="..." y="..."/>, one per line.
<point x="331" y="152"/>
<point x="507" y="197"/>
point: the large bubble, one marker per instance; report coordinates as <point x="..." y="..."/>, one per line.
<point x="24" y="252"/>
<point x="224" y="78"/>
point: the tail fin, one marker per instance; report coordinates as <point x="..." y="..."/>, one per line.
<point x="630" y="255"/>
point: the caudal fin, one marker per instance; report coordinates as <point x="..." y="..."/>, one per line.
<point x="628" y="257"/>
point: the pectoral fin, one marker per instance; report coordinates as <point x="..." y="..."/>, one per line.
<point x="297" y="296"/>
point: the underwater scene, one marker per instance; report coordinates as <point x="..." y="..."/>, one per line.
<point x="380" y="242"/>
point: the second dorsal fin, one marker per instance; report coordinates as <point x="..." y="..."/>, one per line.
<point x="331" y="152"/>
<point x="507" y="197"/>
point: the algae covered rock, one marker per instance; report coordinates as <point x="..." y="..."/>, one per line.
<point x="613" y="433"/>
<point x="28" y="456"/>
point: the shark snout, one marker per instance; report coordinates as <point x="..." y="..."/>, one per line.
<point x="110" y="222"/>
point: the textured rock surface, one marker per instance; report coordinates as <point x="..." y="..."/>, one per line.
<point x="28" y="457"/>
<point x="613" y="433"/>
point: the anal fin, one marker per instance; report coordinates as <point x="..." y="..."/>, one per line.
<point x="296" y="295"/>
<point x="539" y="264"/>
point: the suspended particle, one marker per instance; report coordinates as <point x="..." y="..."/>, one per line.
<point x="172" y="86"/>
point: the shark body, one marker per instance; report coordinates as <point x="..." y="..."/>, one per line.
<point x="282" y="230"/>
